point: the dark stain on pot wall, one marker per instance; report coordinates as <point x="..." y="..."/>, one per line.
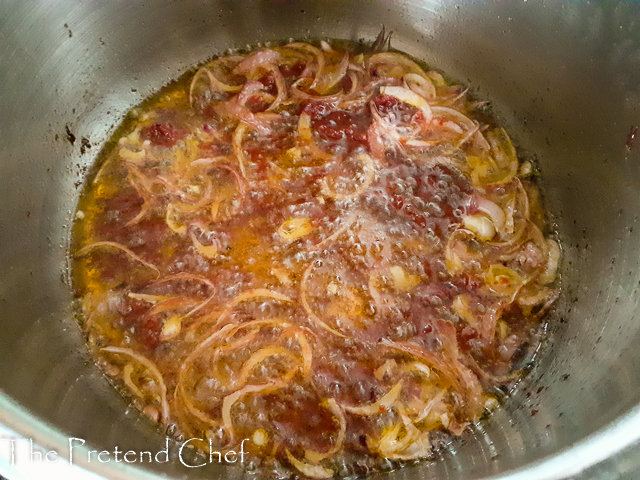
<point x="70" y="137"/>
<point x="632" y="137"/>
<point x="84" y="145"/>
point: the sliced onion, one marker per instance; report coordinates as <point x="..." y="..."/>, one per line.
<point x="549" y="274"/>
<point x="317" y="457"/>
<point x="460" y="118"/>
<point x="259" y="357"/>
<point x="420" y="85"/>
<point x="126" y="376"/>
<point x="250" y="89"/>
<point x="231" y="399"/>
<point x="369" y="171"/>
<point x="428" y="407"/>
<point x="149" y="365"/>
<point x="246" y="116"/>
<point x="331" y="77"/>
<point x="207" y="251"/>
<point x="258" y="59"/>
<point x="216" y="85"/>
<point x="147" y="298"/>
<point x="460" y="305"/>
<point x="295" y="228"/>
<point x="237" y="147"/>
<point x="319" y="55"/>
<point x="400" y="64"/>
<point x="257" y="293"/>
<point x="171" y="219"/>
<point x="380" y="406"/>
<point x="312" y="471"/>
<point x="407" y="96"/>
<point x="305" y="304"/>
<point x="88" y="248"/>
<point x="280" y="85"/>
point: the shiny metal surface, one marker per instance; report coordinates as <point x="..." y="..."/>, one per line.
<point x="565" y="77"/>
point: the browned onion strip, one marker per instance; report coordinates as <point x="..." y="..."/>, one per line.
<point x="86" y="249"/>
<point x="149" y="365"/>
<point x="456" y="374"/>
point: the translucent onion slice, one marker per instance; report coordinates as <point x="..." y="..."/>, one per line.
<point x="216" y="85"/>
<point x="149" y="365"/>
<point x="259" y="357"/>
<point x="258" y="59"/>
<point x="503" y="280"/>
<point x="460" y="305"/>
<point x="237" y="147"/>
<point x="319" y="55"/>
<point x="280" y="85"/>
<point x="493" y="210"/>
<point x="305" y="304"/>
<point x="428" y="407"/>
<point x="295" y="228"/>
<point x="310" y="470"/>
<point x="331" y="76"/>
<point x="316" y="457"/>
<point x="402" y="280"/>
<point x="147" y="298"/>
<point x="230" y="400"/>
<point x="172" y="221"/>
<point x="549" y="274"/>
<point x="481" y="225"/>
<point x="420" y="85"/>
<point x="408" y="96"/>
<point x="257" y="293"/>
<point x="207" y="251"/>
<point x="382" y="405"/>
<point x="397" y="64"/>
<point x="126" y="376"/>
<point x="369" y="171"/>
<point x="86" y="249"/>
<point x="460" y="118"/>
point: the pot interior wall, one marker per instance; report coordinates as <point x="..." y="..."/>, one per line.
<point x="563" y="77"/>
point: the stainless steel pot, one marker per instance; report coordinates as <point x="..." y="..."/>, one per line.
<point x="565" y="77"/>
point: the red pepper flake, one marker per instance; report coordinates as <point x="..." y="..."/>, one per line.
<point x="163" y="134"/>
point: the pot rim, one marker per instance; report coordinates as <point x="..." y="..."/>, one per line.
<point x="18" y="423"/>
